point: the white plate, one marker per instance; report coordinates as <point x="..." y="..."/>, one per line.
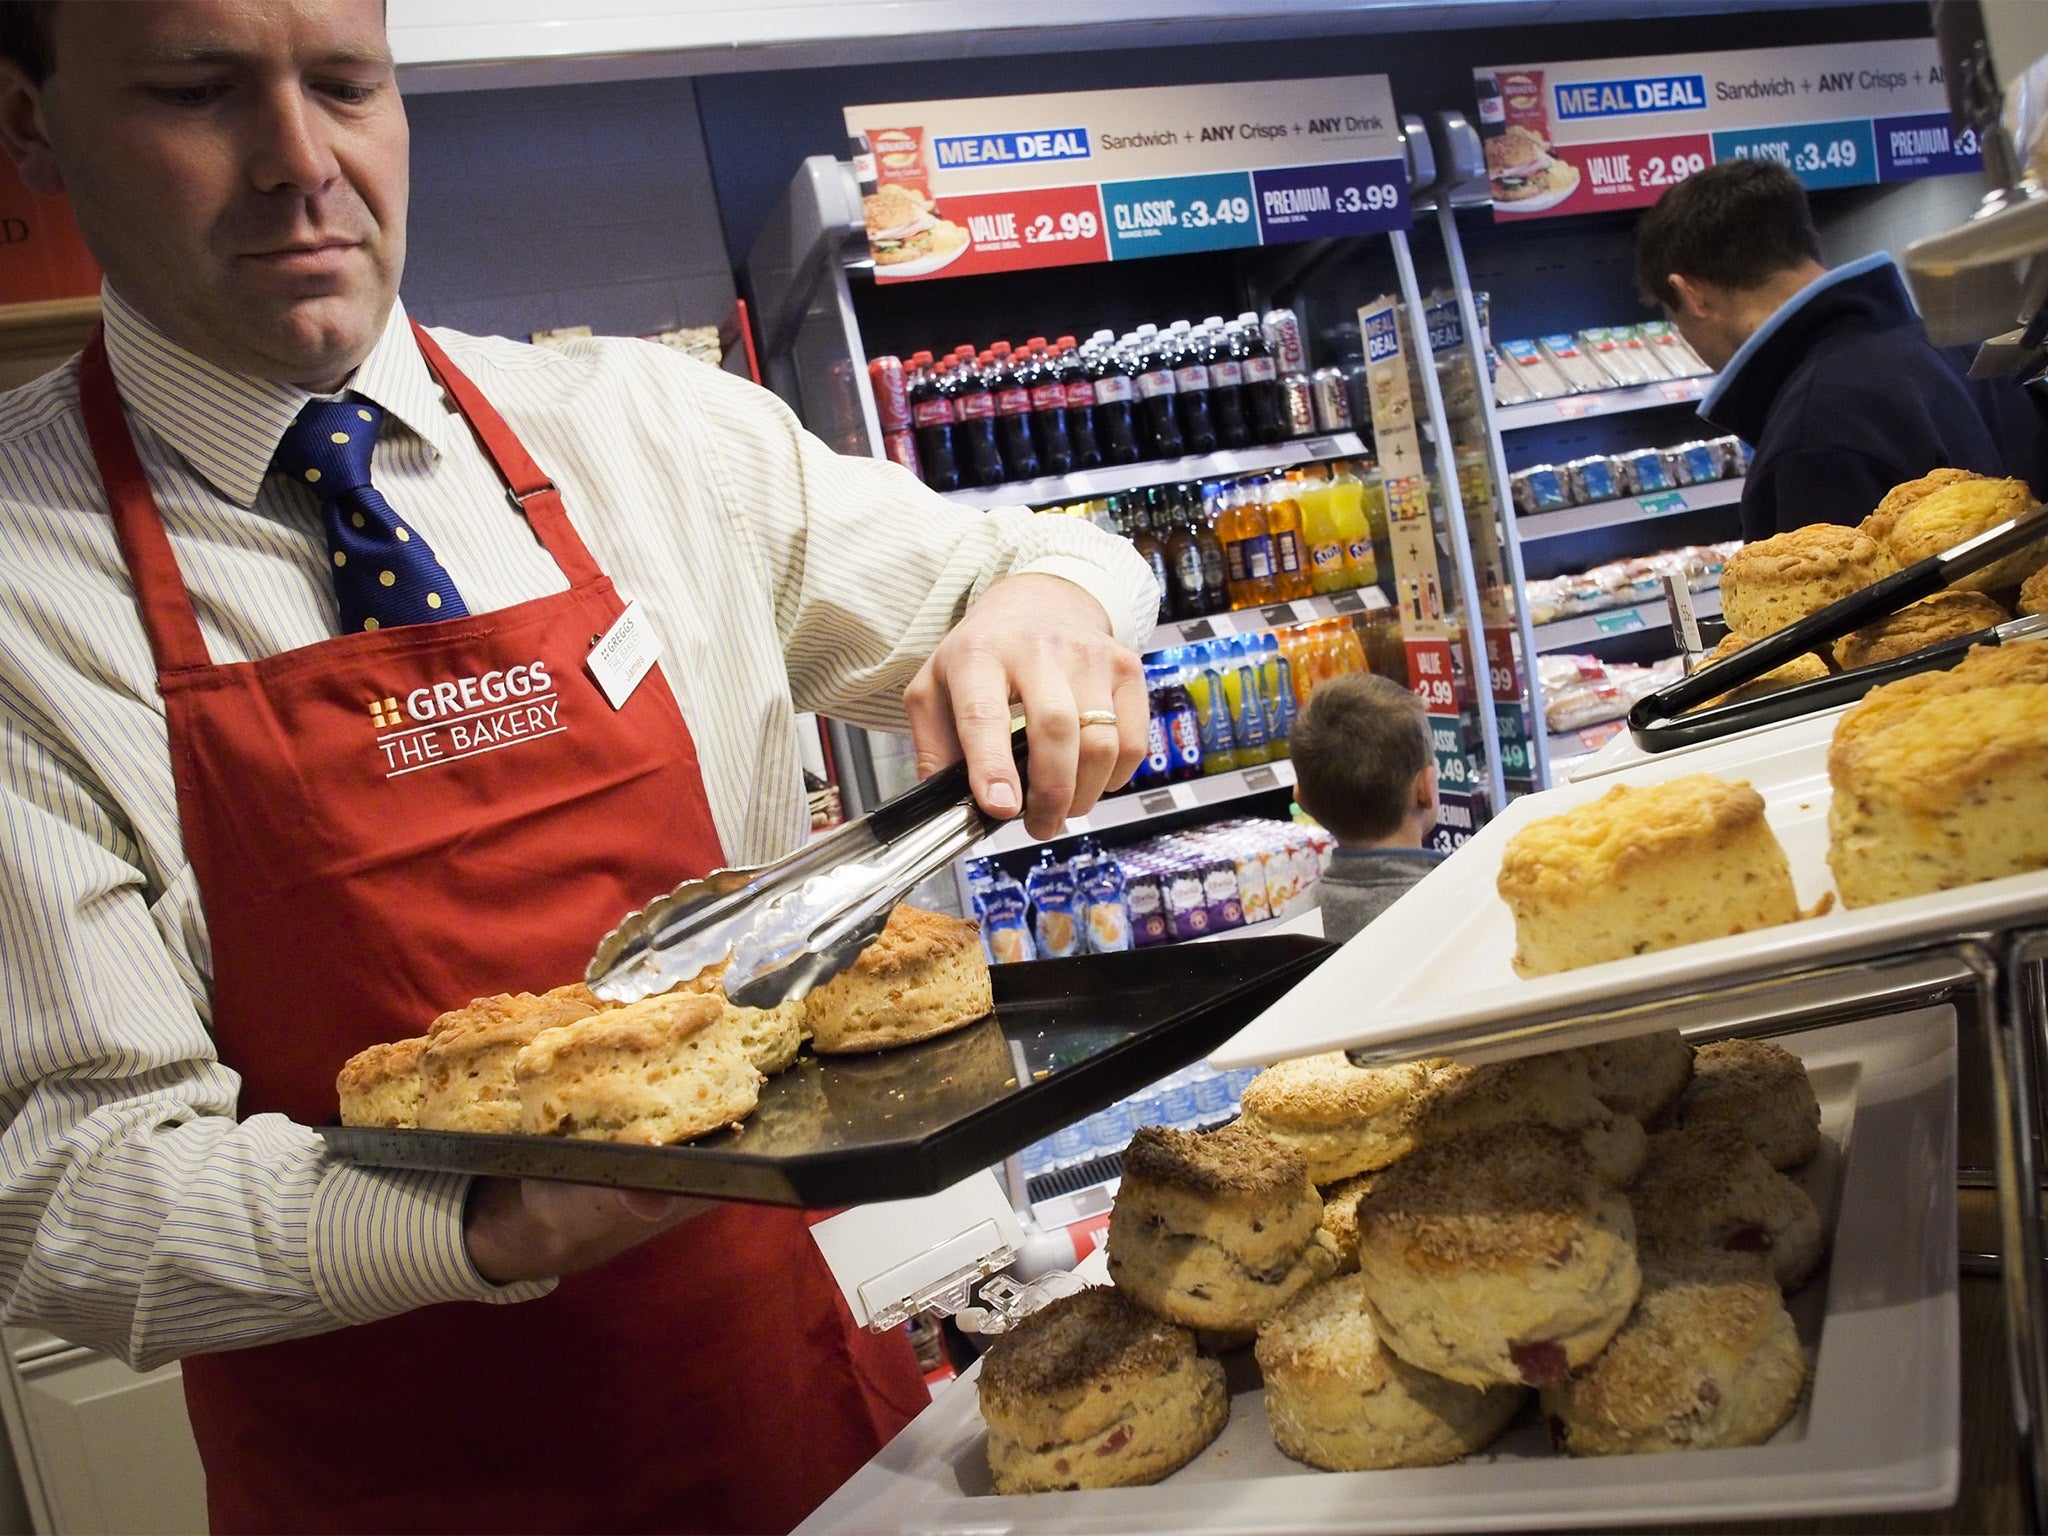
<point x="1880" y="1431"/>
<point x="1433" y="974"/>
<point x="924" y="266"/>
<point x="1542" y="200"/>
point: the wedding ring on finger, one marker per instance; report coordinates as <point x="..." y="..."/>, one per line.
<point x="1097" y="717"/>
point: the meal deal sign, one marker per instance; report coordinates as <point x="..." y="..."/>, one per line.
<point x="1003" y="183"/>
<point x="1614" y="133"/>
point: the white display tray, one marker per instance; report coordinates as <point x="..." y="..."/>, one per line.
<point x="1621" y="751"/>
<point x="1879" y="1431"/>
<point x="1433" y="974"/>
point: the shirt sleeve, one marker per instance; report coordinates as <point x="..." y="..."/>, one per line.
<point x="137" y="1215"/>
<point x="869" y="568"/>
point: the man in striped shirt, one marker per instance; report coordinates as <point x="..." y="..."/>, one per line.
<point x="240" y="172"/>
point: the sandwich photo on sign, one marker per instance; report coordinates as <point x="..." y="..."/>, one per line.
<point x="905" y="232"/>
<point x="1521" y="169"/>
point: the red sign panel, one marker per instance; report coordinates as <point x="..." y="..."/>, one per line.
<point x="1011" y="231"/>
<point x="1431" y="676"/>
<point x="1627" y="173"/>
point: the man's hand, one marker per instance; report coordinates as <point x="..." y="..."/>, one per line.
<point x="1041" y="642"/>
<point x="536" y="1229"/>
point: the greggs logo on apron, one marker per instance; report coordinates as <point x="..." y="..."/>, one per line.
<point x="463" y="717"/>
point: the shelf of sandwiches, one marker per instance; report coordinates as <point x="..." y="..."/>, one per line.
<point x="1594" y="372"/>
<point x="1602" y="489"/>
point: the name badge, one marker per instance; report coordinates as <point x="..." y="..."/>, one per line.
<point x="623" y="655"/>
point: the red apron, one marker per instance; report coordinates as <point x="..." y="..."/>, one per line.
<point x="360" y="874"/>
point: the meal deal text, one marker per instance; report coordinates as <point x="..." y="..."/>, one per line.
<point x="998" y="184"/>
<point x="1615" y="133"/>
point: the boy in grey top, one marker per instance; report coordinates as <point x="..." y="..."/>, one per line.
<point x="1364" y="769"/>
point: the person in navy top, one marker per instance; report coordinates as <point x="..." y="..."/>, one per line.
<point x="1827" y="374"/>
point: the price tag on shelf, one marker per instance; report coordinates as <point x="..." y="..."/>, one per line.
<point x="1201" y="629"/>
<point x="1373" y="599"/>
<point x="1594" y="737"/>
<point x="1262" y="777"/>
<point x="1157" y="802"/>
<point x="1349" y="601"/>
<point x="1322" y="448"/>
<point x="1278" y="613"/>
<point x="1680" y="390"/>
<point x="1619" y="622"/>
<point x="1663" y="504"/>
<point x="1570" y="409"/>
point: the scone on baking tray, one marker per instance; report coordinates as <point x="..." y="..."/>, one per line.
<point x="1706" y="1188"/>
<point x="1553" y="1089"/>
<point x="2034" y="593"/>
<point x="771" y="1037"/>
<point x="925" y="975"/>
<point x="1944" y="616"/>
<point x="1941" y="780"/>
<point x="1342" y="1119"/>
<point x="1948" y="516"/>
<point x="1709" y="1357"/>
<point x="1215" y="1229"/>
<point x="1091" y="1391"/>
<point x="1758" y="1089"/>
<point x="381" y="1086"/>
<point x="1339" y="1399"/>
<point x="1803" y="668"/>
<point x="466" y="1071"/>
<point x="654" y="1073"/>
<point x="1502" y="1257"/>
<point x="1643" y="869"/>
<point x="1780" y="580"/>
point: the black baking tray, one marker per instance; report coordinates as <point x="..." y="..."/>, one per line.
<point x="1067" y="1038"/>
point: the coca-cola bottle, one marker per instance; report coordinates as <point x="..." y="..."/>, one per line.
<point x="1226" y="386"/>
<point x="1042" y="382"/>
<point x="931" y="417"/>
<point x="1116" y="393"/>
<point x="1080" y="396"/>
<point x="1264" y="410"/>
<point x="1013" y="414"/>
<point x="1191" y="389"/>
<point x="1156" y="416"/>
<point x="974" y="421"/>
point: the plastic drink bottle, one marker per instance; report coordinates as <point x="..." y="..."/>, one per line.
<point x="1327" y="567"/>
<point x="974" y="414"/>
<point x="1116" y="393"/>
<point x="1276" y="689"/>
<point x="1247" y="549"/>
<point x="1203" y="678"/>
<point x="1079" y="392"/>
<point x="1347" y="510"/>
<point x="1247" y="708"/>
<point x="931" y="417"/>
<point x="1013" y="415"/>
<point x="1156" y="386"/>
<point x="1226" y="385"/>
<point x="1048" y="392"/>
<point x="1191" y="389"/>
<point x="1263" y="407"/>
<point x="1291" y="575"/>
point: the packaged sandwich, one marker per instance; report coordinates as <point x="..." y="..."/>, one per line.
<point x="1540" y="488"/>
<point x="1641" y="471"/>
<point x="1679" y="360"/>
<point x="1579" y="367"/>
<point x="1536" y="372"/>
<point x="1606" y="348"/>
<point x="1508" y="386"/>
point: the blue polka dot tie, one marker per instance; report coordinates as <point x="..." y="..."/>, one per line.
<point x="384" y="574"/>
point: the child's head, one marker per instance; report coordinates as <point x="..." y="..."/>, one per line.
<point x="1362" y="760"/>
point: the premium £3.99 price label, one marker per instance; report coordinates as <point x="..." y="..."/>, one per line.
<point x="1321" y="202"/>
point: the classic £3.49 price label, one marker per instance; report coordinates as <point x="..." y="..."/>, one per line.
<point x="1172" y="215"/>
<point x="1840" y="154"/>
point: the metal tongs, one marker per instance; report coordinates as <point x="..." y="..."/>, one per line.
<point x="1659" y="723"/>
<point x="787" y="926"/>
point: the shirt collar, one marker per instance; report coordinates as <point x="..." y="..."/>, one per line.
<point x="227" y="425"/>
<point x="1782" y="314"/>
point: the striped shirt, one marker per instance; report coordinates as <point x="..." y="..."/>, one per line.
<point x="137" y="1214"/>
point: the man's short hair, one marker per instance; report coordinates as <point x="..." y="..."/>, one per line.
<point x="25" y="27"/>
<point x="1736" y="225"/>
<point x="1357" y="749"/>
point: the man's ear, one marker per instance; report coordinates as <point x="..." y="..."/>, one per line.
<point x="1695" y="298"/>
<point x="23" y="134"/>
<point x="1425" y="789"/>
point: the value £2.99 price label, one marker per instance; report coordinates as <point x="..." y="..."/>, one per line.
<point x="1027" y="228"/>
